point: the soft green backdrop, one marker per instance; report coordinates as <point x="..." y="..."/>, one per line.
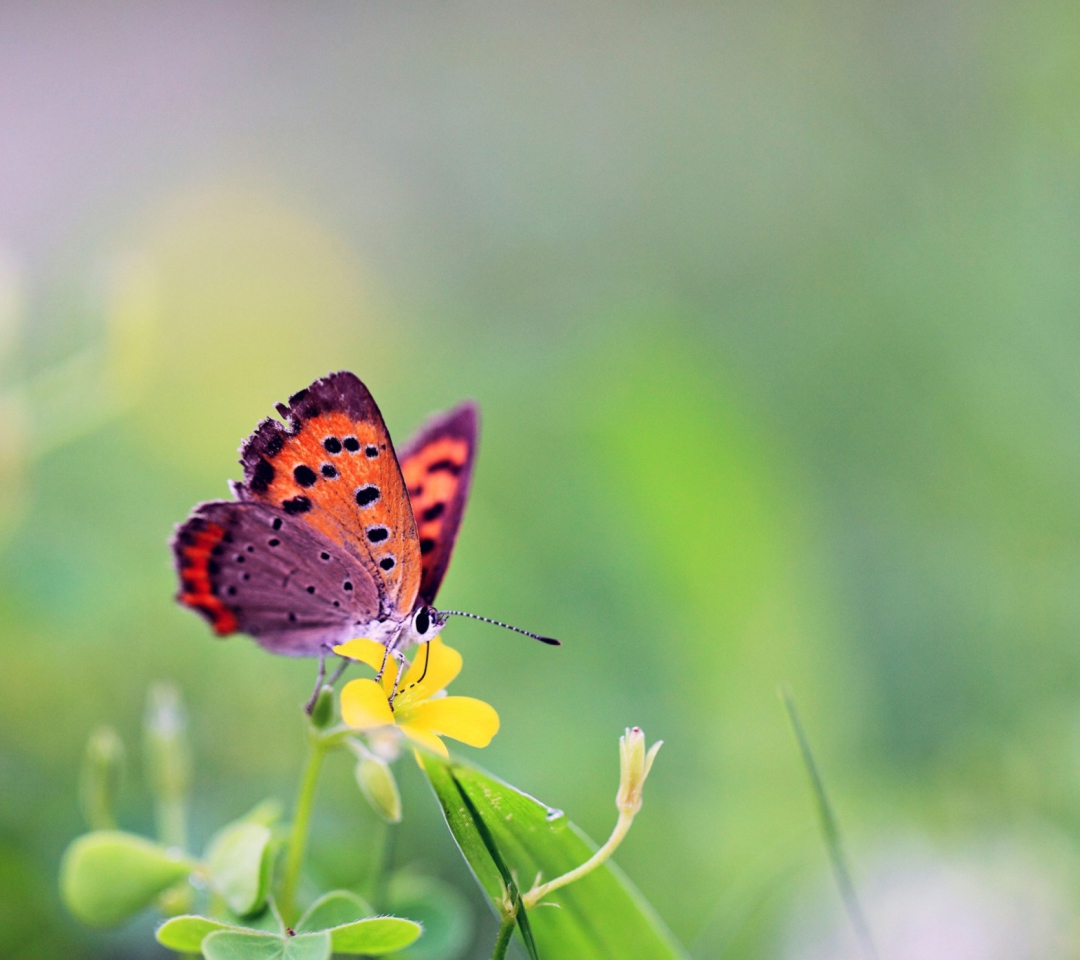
<point x="772" y="314"/>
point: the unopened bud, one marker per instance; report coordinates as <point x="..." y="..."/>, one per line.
<point x="635" y="763"/>
<point x="322" y="711"/>
<point x="168" y="760"/>
<point x="168" y="754"/>
<point x="100" y="778"/>
<point x="377" y="783"/>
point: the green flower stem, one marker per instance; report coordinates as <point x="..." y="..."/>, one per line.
<point x="381" y="864"/>
<point x="539" y="891"/>
<point x="301" y="825"/>
<point x="502" y="941"/>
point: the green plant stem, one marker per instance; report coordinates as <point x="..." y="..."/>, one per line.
<point x="381" y="865"/>
<point x="537" y="893"/>
<point x="301" y="825"/>
<point x="502" y="941"/>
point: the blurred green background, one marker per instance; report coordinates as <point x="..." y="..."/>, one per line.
<point x="771" y="311"/>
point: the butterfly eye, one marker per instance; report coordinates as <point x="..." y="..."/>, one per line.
<point x="422" y="621"/>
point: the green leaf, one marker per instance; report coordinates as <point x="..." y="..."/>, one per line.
<point x="483" y="831"/>
<point x="440" y="910"/>
<point x="602" y="917"/>
<point x="343" y="914"/>
<point x="332" y="910"/>
<point x="267" y="813"/>
<point x="108" y="876"/>
<point x="375" y="936"/>
<point x="239" y="945"/>
<point x="185" y="934"/>
<point x="238" y="861"/>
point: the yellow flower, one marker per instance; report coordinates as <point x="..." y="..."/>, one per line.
<point x="418" y="710"/>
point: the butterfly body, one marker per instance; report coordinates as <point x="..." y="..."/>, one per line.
<point x="324" y="541"/>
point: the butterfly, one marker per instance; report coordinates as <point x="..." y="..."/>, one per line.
<point x="331" y="534"/>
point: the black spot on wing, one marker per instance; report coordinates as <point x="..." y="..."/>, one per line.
<point x="434" y="511"/>
<point x="296" y="505"/>
<point x="367" y="495"/>
<point x="304" y="475"/>
<point x="332" y="445"/>
<point x="274" y="444"/>
<point x="426" y="546"/>
<point x="351" y="444"/>
<point x="377" y="534"/>
<point x="446" y="465"/>
<point x="262" y="476"/>
<point x="328" y="470"/>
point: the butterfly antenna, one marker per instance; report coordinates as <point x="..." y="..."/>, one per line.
<point x="551" y="641"/>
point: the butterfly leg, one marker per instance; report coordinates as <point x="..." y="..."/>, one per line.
<point x="336" y="675"/>
<point x="402" y="663"/>
<point x="320" y="677"/>
<point x="382" y="669"/>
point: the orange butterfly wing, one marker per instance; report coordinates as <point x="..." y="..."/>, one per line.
<point x="335" y="468"/>
<point x="437" y="464"/>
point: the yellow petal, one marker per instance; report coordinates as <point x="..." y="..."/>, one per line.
<point x="364" y="705"/>
<point x="463" y="718"/>
<point x="364" y="650"/>
<point x="437" y="664"/>
<point x="427" y="740"/>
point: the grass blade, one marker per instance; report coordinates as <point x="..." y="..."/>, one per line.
<point x="830" y="829"/>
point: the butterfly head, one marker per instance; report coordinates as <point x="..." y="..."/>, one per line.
<point x="426" y="624"/>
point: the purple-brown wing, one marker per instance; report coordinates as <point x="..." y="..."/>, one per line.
<point x="437" y="464"/>
<point x="250" y="567"/>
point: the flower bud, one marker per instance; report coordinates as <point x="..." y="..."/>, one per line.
<point x="100" y="778"/>
<point x="322" y="712"/>
<point x="168" y="754"/>
<point x="635" y="764"/>
<point x="377" y="783"/>
<point x="167" y="760"/>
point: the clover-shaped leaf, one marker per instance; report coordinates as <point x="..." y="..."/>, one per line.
<point x="347" y="918"/>
<point x="332" y="910"/>
<point x="185" y="934"/>
<point x="374" y="936"/>
<point x="109" y="875"/>
<point x="238" y="862"/>
<point x="248" y="945"/>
